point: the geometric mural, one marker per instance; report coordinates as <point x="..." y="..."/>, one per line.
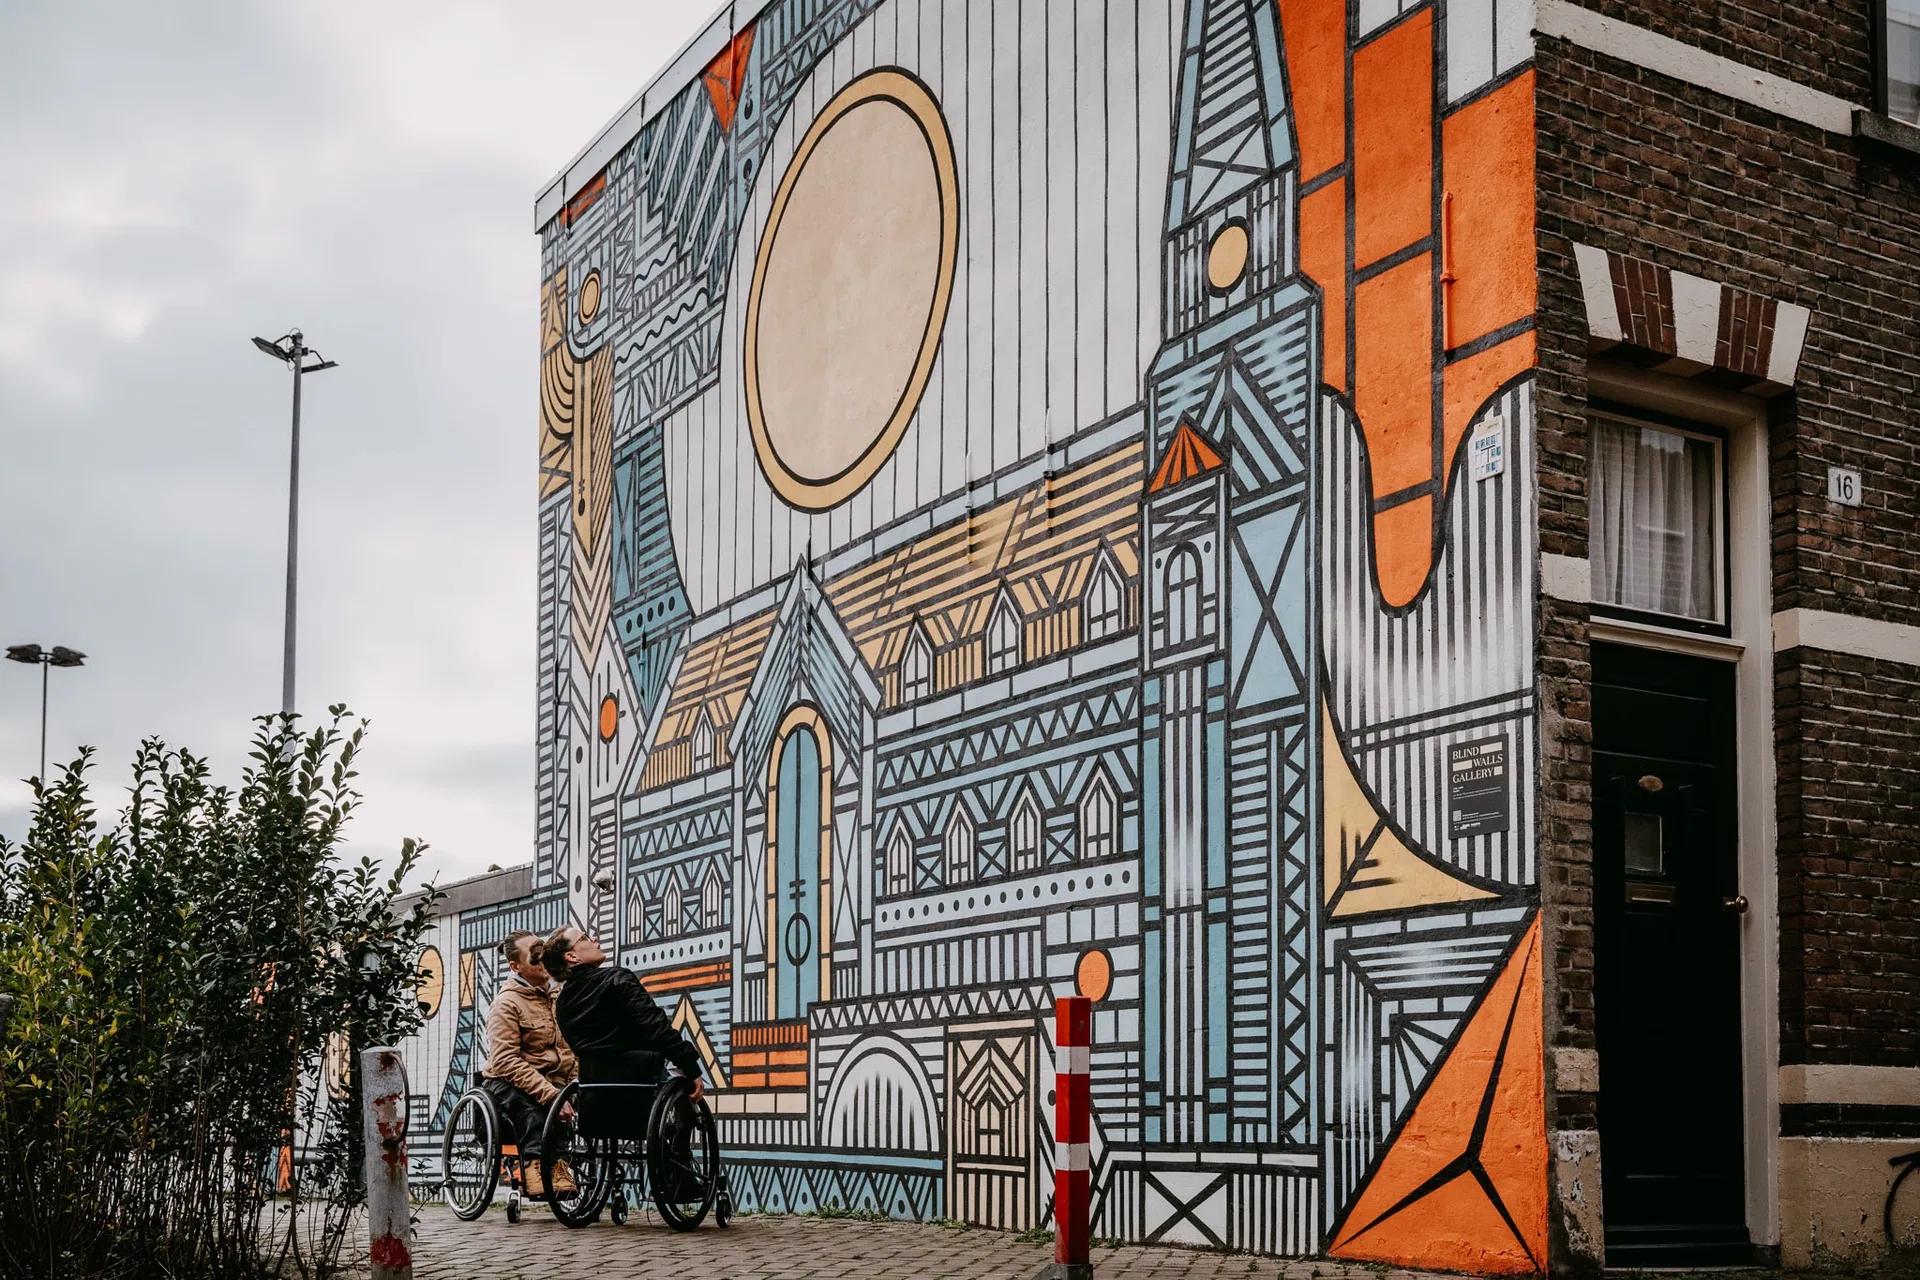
<point x="1033" y="500"/>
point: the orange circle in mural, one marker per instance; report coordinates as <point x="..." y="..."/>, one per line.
<point x="1227" y="256"/>
<point x="1093" y="976"/>
<point x="609" y="717"/>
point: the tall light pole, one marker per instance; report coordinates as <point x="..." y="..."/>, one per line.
<point x="293" y="351"/>
<point x="58" y="656"/>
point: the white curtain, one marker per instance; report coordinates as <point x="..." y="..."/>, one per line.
<point x="1903" y="60"/>
<point x="1654" y="516"/>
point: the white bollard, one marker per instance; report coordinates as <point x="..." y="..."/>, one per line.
<point x="383" y="1086"/>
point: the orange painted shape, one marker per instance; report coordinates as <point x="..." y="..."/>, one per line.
<point x="1487" y="167"/>
<point x="1093" y="975"/>
<point x="1323" y="256"/>
<point x="609" y="717"/>
<point x="1393" y="373"/>
<point x="1424" y="1205"/>
<point x="1403" y="549"/>
<point x="1393" y="140"/>
<point x="1315" y="35"/>
<point x="1471" y="381"/>
<point x="1188" y="455"/>
<point x="584" y="201"/>
<point x="725" y="75"/>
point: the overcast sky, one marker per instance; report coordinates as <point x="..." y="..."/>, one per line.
<point x="182" y="176"/>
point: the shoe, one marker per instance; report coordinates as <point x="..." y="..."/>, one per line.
<point x="536" y="1186"/>
<point x="563" y="1183"/>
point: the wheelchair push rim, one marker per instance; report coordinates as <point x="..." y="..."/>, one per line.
<point x="470" y="1156"/>
<point x="683" y="1156"/>
<point x="592" y="1163"/>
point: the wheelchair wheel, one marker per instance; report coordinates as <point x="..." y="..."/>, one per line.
<point x="590" y="1162"/>
<point x="683" y="1156"/>
<point x="470" y="1156"/>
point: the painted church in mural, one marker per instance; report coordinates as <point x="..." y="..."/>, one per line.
<point x="1033" y="500"/>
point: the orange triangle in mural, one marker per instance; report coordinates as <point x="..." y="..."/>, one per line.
<point x="1464" y="1185"/>
<point x="726" y="74"/>
<point x="1188" y="454"/>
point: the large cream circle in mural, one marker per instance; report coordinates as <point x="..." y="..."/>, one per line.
<point x="850" y="289"/>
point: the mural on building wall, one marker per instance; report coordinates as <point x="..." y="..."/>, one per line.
<point x="1036" y="498"/>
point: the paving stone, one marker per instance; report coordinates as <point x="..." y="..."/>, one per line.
<point x="798" y="1248"/>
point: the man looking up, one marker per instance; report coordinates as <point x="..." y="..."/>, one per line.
<point x="528" y="1060"/>
<point x="603" y="1009"/>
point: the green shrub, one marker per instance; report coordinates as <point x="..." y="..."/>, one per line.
<point x="176" y="977"/>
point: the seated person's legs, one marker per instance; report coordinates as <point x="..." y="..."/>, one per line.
<point x="522" y="1119"/>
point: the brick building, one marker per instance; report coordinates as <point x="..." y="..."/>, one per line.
<point x="1719" y="182"/>
<point x="1375" y="541"/>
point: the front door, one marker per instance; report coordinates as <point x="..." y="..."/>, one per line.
<point x="1667" y="922"/>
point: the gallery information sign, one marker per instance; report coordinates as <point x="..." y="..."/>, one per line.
<point x="1477" y="787"/>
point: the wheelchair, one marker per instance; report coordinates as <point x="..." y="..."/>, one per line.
<point x="472" y="1159"/>
<point x="634" y="1134"/>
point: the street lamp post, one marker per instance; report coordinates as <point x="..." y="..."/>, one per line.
<point x="58" y="656"/>
<point x="292" y="350"/>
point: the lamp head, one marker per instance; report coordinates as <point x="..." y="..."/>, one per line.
<point x="65" y="657"/>
<point x="24" y="652"/>
<point x="274" y="349"/>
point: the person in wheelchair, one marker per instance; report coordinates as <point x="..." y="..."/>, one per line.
<point x="605" y="1012"/>
<point x="528" y="1058"/>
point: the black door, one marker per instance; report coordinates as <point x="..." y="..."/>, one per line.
<point x="1667" y="959"/>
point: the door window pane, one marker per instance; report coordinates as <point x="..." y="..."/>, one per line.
<point x="1655" y="520"/>
<point x="1646" y="853"/>
<point x="1903" y="60"/>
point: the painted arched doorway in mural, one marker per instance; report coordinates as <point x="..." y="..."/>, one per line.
<point x="800" y="821"/>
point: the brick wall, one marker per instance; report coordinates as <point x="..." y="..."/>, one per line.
<point x="1632" y="161"/>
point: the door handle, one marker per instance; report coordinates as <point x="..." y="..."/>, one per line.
<point x="1736" y="904"/>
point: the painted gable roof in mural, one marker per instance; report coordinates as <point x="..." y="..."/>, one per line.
<point x="1040" y="546"/>
<point x="1188" y="455"/>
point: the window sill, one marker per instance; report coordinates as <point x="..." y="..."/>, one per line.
<point x="1642" y="635"/>
<point x="1886" y="130"/>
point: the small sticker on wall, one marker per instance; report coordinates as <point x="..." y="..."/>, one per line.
<point x="1477" y="787"/>
<point x="1487" y="448"/>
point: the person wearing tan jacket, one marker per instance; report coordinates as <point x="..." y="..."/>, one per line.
<point x="528" y="1061"/>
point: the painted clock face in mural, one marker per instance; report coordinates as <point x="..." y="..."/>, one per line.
<point x="850" y="289"/>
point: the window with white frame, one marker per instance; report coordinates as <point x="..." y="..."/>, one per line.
<point x="1023" y="834"/>
<point x="712" y="900"/>
<point x="1003" y="638"/>
<point x="1899" y="46"/>
<point x="959" y="846"/>
<point x="702" y="744"/>
<point x="916" y="668"/>
<point x="1657" y="520"/>
<point x="1100" y="604"/>
<point x="900" y="861"/>
<point x="1183" y="595"/>
<point x="1098" y="810"/>
<point x="670" y="907"/>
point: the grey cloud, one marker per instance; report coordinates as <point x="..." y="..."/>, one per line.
<point x="190" y="175"/>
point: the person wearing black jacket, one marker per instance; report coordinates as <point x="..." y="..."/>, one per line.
<point x="604" y="1009"/>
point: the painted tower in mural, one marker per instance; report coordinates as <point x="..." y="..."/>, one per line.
<point x="1005" y="532"/>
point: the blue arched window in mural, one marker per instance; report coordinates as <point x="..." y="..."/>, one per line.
<point x="796" y="881"/>
<point x="1183" y="595"/>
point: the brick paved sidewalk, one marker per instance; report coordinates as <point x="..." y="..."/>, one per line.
<point x="771" y="1247"/>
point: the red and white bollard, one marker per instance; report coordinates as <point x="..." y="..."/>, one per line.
<point x="383" y="1087"/>
<point x="1072" y="1139"/>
